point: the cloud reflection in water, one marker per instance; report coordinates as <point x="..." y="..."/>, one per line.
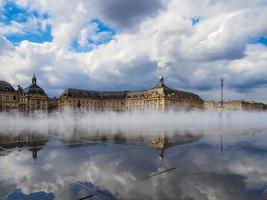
<point x="64" y="169"/>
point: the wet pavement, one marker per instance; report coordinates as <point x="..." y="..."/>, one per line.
<point x="215" y="165"/>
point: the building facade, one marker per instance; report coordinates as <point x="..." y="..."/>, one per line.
<point x="8" y="97"/>
<point x="159" y="97"/>
<point x="32" y="98"/>
<point x="52" y="104"/>
<point x="234" y="105"/>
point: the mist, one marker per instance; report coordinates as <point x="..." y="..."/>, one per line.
<point x="68" y="122"/>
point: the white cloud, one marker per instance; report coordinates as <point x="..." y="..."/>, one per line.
<point x="163" y="42"/>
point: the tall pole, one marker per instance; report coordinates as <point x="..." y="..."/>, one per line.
<point x="221" y="128"/>
<point x="222" y="84"/>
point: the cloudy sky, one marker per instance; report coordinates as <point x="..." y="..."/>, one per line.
<point x="127" y="44"/>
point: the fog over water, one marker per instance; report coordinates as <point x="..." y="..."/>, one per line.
<point x="147" y="122"/>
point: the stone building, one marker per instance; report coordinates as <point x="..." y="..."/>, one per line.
<point x="234" y="105"/>
<point x="211" y="105"/>
<point x="160" y="97"/>
<point x="8" y="97"/>
<point x="52" y="104"/>
<point x="32" y="98"/>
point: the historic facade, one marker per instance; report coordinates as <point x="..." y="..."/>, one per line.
<point x="159" y="97"/>
<point x="32" y="98"/>
<point x="26" y="100"/>
<point x="8" y="97"/>
<point x="234" y="105"/>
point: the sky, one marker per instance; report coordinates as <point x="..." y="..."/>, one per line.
<point x="127" y="44"/>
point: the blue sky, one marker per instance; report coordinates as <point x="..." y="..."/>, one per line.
<point x="127" y="44"/>
<point x="195" y="20"/>
<point x="12" y="13"/>
<point x="105" y="32"/>
<point x="258" y="40"/>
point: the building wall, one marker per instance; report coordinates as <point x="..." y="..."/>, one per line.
<point x="33" y="103"/>
<point x="234" y="105"/>
<point x="183" y="103"/>
<point x="211" y="105"/>
<point x="52" y="104"/>
<point x="8" y="101"/>
<point x="147" y="99"/>
<point x="140" y="100"/>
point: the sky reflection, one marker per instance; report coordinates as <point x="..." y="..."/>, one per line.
<point x="215" y="166"/>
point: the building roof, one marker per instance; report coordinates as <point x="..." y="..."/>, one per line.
<point x="71" y="92"/>
<point x="33" y="89"/>
<point x="5" y="86"/>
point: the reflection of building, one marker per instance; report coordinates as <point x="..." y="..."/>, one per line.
<point x="159" y="97"/>
<point x="33" y="98"/>
<point x="8" y="97"/>
<point x="159" y="141"/>
<point x="234" y="105"/>
<point x="163" y="141"/>
<point x="32" y="142"/>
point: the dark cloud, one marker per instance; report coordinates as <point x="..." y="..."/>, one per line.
<point x="247" y="85"/>
<point x="126" y="14"/>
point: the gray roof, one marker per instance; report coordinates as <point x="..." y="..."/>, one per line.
<point x="93" y="94"/>
<point x="123" y="94"/>
<point x="33" y="90"/>
<point x="5" y="86"/>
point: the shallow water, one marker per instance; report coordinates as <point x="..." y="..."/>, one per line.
<point x="216" y="165"/>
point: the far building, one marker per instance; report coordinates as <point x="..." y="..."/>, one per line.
<point x="33" y="98"/>
<point x="52" y="104"/>
<point x="160" y="97"/>
<point x="8" y="97"/>
<point x="234" y="105"/>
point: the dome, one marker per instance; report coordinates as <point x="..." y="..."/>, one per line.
<point x="33" y="89"/>
<point x="5" y="86"/>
